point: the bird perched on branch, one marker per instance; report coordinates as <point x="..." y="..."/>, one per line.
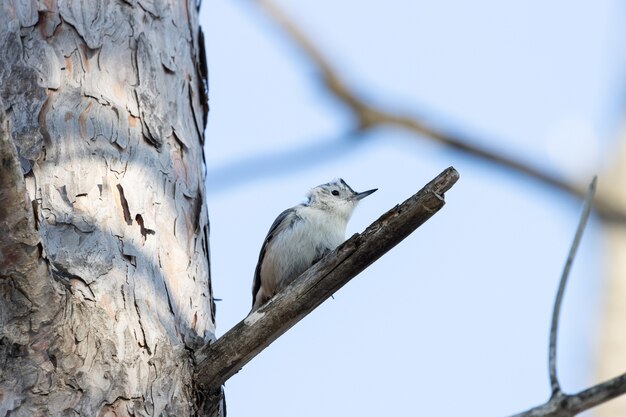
<point x="301" y="236"/>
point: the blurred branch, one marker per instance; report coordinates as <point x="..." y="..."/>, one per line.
<point x="279" y="163"/>
<point x="219" y="361"/>
<point x="369" y="116"/>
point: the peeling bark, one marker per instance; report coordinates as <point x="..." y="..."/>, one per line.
<point x="104" y="260"/>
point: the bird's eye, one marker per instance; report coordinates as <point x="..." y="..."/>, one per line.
<point x="335" y="192"/>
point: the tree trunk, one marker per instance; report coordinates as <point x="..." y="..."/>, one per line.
<point x="104" y="257"/>
<point x="611" y="358"/>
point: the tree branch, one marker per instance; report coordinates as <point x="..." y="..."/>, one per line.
<point x="224" y="358"/>
<point x="554" y="381"/>
<point x="369" y="115"/>
<point x="567" y="405"/>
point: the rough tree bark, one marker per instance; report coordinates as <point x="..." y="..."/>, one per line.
<point x="104" y="257"/>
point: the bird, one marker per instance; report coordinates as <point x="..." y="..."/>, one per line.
<point x="302" y="235"/>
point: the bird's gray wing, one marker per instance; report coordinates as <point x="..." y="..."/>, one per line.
<point x="284" y="221"/>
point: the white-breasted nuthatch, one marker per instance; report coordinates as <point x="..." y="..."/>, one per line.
<point x="301" y="236"/>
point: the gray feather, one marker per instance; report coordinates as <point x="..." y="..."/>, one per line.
<point x="285" y="220"/>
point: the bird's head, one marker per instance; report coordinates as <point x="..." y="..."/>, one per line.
<point x="337" y="197"/>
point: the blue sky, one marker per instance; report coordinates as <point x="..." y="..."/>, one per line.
<point x="453" y="321"/>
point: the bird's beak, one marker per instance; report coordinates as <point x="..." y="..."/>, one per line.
<point x="360" y="196"/>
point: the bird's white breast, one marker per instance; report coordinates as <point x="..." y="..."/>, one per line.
<point x="294" y="250"/>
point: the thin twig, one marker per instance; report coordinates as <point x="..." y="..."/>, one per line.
<point x="369" y="115"/>
<point x="554" y="381"/>
<point x="219" y="361"/>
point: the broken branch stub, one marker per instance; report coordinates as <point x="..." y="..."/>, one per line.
<point x="219" y="361"/>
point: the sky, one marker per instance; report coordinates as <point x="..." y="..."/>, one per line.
<point x="455" y="319"/>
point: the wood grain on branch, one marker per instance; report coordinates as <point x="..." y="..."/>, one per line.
<point x="369" y="115"/>
<point x="224" y="358"/>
